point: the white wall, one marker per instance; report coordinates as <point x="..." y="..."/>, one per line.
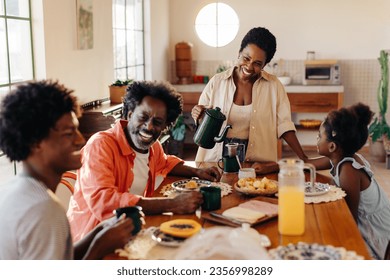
<point x="346" y="29"/>
<point x="88" y="72"/>
<point x="157" y="61"/>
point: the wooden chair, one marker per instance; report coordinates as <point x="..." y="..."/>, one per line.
<point x="65" y="188"/>
<point x="66" y="182"/>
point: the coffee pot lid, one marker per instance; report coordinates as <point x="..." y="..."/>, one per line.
<point x="216" y="113"/>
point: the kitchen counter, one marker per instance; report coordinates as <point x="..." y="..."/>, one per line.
<point x="311" y="102"/>
<point x="289" y="88"/>
<point x="303" y="99"/>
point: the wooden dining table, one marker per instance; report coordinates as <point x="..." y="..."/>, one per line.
<point x="326" y="223"/>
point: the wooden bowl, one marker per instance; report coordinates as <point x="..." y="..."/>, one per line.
<point x="310" y="123"/>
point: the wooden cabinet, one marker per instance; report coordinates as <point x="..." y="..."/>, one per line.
<point x="303" y="99"/>
<point x="98" y="117"/>
<point x="190" y="99"/>
<point x="315" y="102"/>
<point x="304" y="102"/>
<point x="300" y="102"/>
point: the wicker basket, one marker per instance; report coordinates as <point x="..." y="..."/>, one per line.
<point x="310" y="123"/>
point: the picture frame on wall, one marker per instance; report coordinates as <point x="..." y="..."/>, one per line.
<point x="84" y="15"/>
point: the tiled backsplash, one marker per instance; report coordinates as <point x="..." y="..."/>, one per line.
<point x="360" y="78"/>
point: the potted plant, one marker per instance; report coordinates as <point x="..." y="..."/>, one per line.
<point x="118" y="90"/>
<point x="173" y="139"/>
<point x="379" y="130"/>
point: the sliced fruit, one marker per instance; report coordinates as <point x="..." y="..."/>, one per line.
<point x="180" y="227"/>
<point x="191" y="184"/>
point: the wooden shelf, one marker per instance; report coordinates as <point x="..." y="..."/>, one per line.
<point x="301" y="127"/>
<point x="190" y="99"/>
<point x="300" y="102"/>
<point x="98" y="118"/>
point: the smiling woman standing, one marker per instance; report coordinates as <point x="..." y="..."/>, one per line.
<point x="254" y="103"/>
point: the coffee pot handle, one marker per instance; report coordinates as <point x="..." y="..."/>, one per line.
<point x="312" y="170"/>
<point x="218" y="163"/>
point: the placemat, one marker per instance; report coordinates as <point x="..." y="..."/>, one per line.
<point x="168" y="191"/>
<point x="143" y="247"/>
<point x="335" y="193"/>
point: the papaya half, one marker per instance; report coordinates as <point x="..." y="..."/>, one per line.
<point x="180" y="227"/>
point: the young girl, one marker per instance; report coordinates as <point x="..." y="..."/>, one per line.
<point x="341" y="135"/>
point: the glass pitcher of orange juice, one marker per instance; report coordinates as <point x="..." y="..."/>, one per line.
<point x="291" y="220"/>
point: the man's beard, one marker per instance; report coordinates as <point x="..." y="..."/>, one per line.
<point x="140" y="141"/>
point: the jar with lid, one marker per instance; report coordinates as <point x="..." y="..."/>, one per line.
<point x="291" y="208"/>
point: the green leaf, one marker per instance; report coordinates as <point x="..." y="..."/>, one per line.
<point x="122" y="82"/>
<point x="179" y="129"/>
<point x="379" y="126"/>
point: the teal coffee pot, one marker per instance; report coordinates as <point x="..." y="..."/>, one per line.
<point x="206" y="134"/>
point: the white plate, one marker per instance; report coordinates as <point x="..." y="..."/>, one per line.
<point x="304" y="251"/>
<point x="318" y="189"/>
<point x="166" y="239"/>
<point x="181" y="185"/>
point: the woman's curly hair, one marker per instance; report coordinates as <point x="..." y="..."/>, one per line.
<point x="29" y="112"/>
<point x="262" y="38"/>
<point x="163" y="91"/>
<point x="348" y="127"/>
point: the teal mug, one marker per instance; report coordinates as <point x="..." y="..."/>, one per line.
<point x="211" y="198"/>
<point x="134" y="213"/>
<point x="229" y="164"/>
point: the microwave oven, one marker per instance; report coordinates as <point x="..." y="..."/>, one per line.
<point x="321" y="72"/>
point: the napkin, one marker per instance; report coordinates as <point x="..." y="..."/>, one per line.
<point x="261" y="206"/>
<point x="243" y="214"/>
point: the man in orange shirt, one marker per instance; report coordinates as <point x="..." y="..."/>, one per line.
<point x="120" y="164"/>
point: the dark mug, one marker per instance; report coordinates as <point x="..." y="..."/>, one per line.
<point x="134" y="213"/>
<point x="230" y="164"/>
<point x="211" y="198"/>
